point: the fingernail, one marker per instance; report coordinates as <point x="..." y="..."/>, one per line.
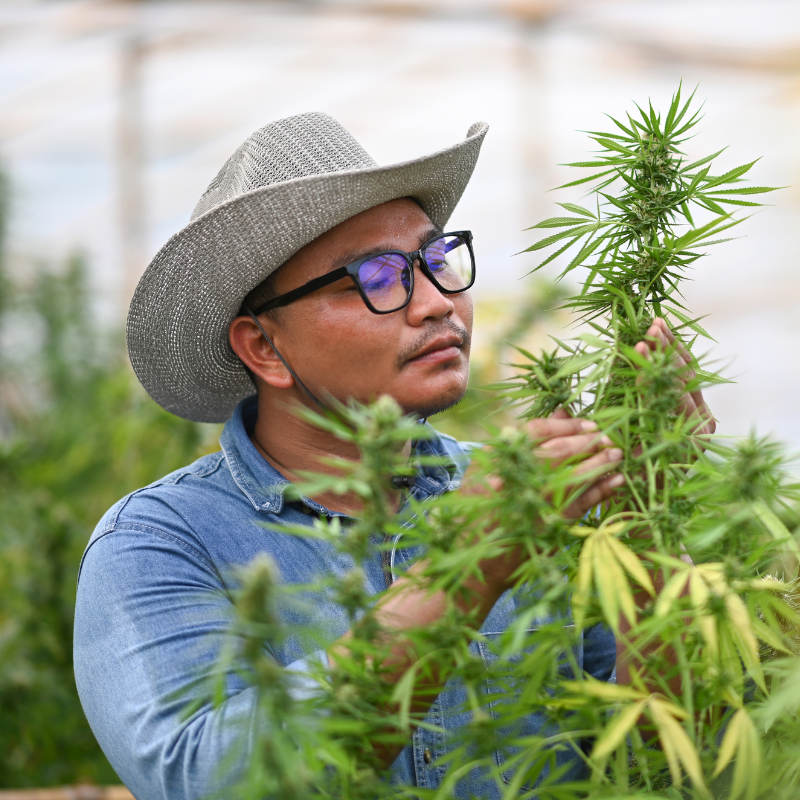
<point x="606" y="441"/>
<point x="588" y="425"/>
<point x="615" y="455"/>
<point x="616" y="481"/>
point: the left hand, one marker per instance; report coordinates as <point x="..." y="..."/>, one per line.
<point x="692" y="405"/>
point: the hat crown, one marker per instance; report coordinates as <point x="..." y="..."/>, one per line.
<point x="295" y="147"/>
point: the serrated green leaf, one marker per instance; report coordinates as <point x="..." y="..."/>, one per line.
<point x="583" y="180"/>
<point x="633" y="566"/>
<point x="729" y="176"/>
<point x="613" y="591"/>
<point x="576" y="233"/>
<point x="692" y="324"/>
<point x="620" y="727"/>
<point x="577" y="364"/>
<point x="677" y="746"/>
<point x="576" y="209"/>
<point x="776" y="528"/>
<point x="702" y="161"/>
<point x="558" y="222"/>
<point x="748" y="190"/>
<point x="710" y="378"/>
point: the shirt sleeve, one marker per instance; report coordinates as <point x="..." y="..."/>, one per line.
<point x="151" y="617"/>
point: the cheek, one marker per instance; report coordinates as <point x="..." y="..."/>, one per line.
<point x="463" y="308"/>
<point x="339" y="336"/>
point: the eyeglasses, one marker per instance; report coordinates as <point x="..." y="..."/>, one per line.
<point x="385" y="280"/>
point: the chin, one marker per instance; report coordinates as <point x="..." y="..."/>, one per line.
<point x="430" y="407"/>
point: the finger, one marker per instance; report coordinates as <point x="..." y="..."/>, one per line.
<point x="543" y="429"/>
<point x="600" y="463"/>
<point x="642" y="349"/>
<point x="674" y="341"/>
<point x="595" y="470"/>
<point x="660" y="333"/>
<point x="685" y="356"/>
<point x="560" y="413"/>
<point x="658" y="336"/>
<point x="663" y="334"/>
<point x="596" y="493"/>
<point x="688" y="406"/>
<point x="561" y="448"/>
<point x="707" y="424"/>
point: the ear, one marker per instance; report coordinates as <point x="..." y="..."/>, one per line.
<point x="255" y="352"/>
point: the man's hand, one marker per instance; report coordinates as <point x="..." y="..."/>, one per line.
<point x="693" y="406"/>
<point x="561" y="438"/>
<point x="556" y="439"/>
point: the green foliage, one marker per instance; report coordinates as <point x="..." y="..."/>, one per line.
<point x="76" y="434"/>
<point x="505" y="321"/>
<point x="704" y="715"/>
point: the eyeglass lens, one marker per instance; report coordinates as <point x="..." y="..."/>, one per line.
<point x="449" y="259"/>
<point x="385" y="278"/>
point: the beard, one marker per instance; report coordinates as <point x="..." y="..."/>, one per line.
<point x="424" y="413"/>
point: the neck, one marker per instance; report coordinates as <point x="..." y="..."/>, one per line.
<point x="293" y="446"/>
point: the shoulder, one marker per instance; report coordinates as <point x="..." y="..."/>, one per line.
<point x="168" y="506"/>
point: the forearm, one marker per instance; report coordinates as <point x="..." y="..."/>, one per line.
<point x="411" y="605"/>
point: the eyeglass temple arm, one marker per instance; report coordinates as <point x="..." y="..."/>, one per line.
<point x="301" y="291"/>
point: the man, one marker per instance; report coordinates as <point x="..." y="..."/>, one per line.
<point x="307" y="272"/>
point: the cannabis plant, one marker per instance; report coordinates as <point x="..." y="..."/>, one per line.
<point x="76" y="433"/>
<point x="680" y="564"/>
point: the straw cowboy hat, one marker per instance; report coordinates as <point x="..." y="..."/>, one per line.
<point x="291" y="181"/>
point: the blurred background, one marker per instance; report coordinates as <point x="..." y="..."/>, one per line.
<point x="115" y="116"/>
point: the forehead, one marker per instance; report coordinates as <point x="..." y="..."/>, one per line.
<point x="396" y="225"/>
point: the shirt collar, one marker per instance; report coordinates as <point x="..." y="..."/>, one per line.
<point x="257" y="479"/>
<point x="264" y="486"/>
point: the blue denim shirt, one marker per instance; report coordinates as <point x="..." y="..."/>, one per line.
<point x="154" y="602"/>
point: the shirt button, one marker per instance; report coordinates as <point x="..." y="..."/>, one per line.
<point x="427" y="756"/>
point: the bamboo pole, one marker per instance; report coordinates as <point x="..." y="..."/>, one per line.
<point x="81" y="792"/>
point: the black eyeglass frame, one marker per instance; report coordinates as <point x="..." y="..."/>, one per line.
<point x="351" y="270"/>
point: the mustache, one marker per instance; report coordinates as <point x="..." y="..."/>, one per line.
<point x="431" y="333"/>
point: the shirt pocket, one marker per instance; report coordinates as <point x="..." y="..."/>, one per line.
<point x="501" y="692"/>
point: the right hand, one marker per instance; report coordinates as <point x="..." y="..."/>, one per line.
<point x="559" y="438"/>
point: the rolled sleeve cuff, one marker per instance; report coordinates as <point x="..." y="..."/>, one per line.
<point x="304" y="686"/>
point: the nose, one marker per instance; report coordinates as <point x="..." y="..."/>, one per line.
<point x="427" y="302"/>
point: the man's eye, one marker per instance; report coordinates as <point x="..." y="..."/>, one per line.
<point x="377" y="285"/>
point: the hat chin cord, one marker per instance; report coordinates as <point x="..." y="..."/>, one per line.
<point x="397" y="481"/>
<point x="283" y="360"/>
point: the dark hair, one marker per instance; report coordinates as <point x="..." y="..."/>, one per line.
<point x="255" y="297"/>
<point x="261" y="294"/>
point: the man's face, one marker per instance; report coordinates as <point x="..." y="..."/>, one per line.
<point x="418" y="355"/>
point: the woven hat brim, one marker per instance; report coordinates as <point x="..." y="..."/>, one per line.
<point x="179" y="316"/>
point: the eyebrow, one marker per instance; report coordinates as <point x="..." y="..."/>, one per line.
<point x="354" y="255"/>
